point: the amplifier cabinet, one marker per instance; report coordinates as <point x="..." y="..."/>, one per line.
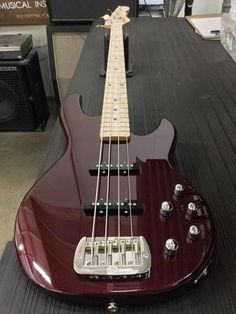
<point x="23" y="103"/>
<point x="85" y="10"/>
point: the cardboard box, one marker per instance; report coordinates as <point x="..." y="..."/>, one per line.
<point x="228" y="34"/>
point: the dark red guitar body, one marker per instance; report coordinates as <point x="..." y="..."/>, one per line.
<point x="51" y="220"/>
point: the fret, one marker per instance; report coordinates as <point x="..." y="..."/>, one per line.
<point x="115" y="114"/>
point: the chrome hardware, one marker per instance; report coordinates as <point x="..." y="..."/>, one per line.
<point x="193" y="232"/>
<point x="166" y="208"/>
<point x="109" y="11"/>
<point x="203" y="274"/>
<point x="106" y="17"/>
<point x="112" y="307"/>
<point x="178" y="189"/>
<point x="192" y="209"/>
<point x="171" y="246"/>
<point x="113" y="257"/>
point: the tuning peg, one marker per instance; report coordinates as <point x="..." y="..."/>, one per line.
<point x="106" y="17"/>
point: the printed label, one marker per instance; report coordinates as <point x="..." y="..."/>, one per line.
<point x="23" y="12"/>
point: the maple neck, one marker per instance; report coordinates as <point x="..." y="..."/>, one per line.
<point x="115" y="114"/>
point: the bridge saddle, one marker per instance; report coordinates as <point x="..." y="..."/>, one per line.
<point x="113" y="257"/>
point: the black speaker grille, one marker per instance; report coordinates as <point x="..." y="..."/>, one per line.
<point x="8" y="102"/>
<point x="14" y="113"/>
<point x="23" y="104"/>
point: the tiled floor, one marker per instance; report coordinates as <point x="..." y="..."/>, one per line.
<point x="20" y="158"/>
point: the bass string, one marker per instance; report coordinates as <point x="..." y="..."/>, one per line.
<point x="129" y="197"/>
<point x="118" y="196"/>
<point x="109" y="160"/>
<point x="108" y="187"/>
<point x="96" y="199"/>
<point x="108" y="192"/>
<point x="107" y="198"/>
<point x="114" y="95"/>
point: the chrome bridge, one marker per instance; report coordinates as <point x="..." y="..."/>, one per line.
<point x="113" y="257"/>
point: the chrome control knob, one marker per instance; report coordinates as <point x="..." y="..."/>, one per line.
<point x="192" y="209"/>
<point x="193" y="232"/>
<point x="178" y="189"/>
<point x="166" y="208"/>
<point x="112" y="307"/>
<point x="171" y="247"/>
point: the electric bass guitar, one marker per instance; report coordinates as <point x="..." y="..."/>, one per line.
<point x="112" y="220"/>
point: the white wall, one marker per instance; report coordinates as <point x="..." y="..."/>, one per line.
<point x="207" y="6"/>
<point x="40" y="43"/>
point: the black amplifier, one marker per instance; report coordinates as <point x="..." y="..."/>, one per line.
<point x="15" y="47"/>
<point x="86" y="10"/>
<point x="23" y="103"/>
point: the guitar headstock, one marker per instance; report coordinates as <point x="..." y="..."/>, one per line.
<point x="119" y="16"/>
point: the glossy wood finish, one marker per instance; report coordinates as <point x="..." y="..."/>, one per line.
<point x="50" y="220"/>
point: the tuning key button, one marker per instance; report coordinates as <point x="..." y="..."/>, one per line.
<point x="193" y="232"/>
<point x="178" y="189"/>
<point x="171" y="247"/>
<point x="192" y="209"/>
<point x="166" y="208"/>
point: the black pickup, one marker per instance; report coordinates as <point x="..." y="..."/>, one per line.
<point x="136" y="208"/>
<point x="124" y="169"/>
